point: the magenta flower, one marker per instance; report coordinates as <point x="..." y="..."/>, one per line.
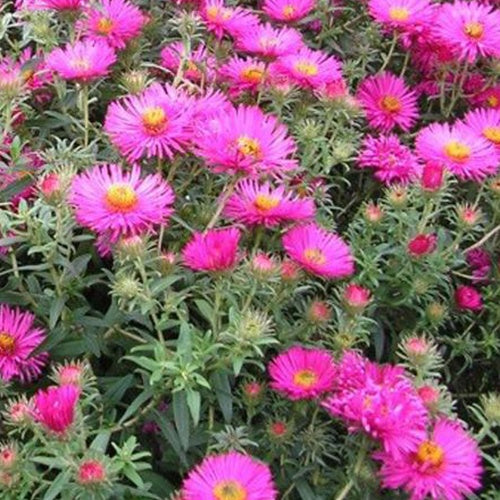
<point x="18" y="340"/>
<point x="115" y="203"/>
<point x="216" y="250"/>
<point x="446" y="464"/>
<point x="247" y="140"/>
<point x="152" y="124"/>
<point x="230" y="476"/>
<point x="432" y="176"/>
<point x="288" y="10"/>
<point x="462" y="152"/>
<point x="402" y="15"/>
<point x="468" y="298"/>
<point x="391" y="161"/>
<point x="300" y="373"/>
<point x="58" y="5"/>
<point x="55" y="407"/>
<point x="243" y="75"/>
<point x="484" y="123"/>
<point x="318" y="251"/>
<point x="113" y="21"/>
<point x="388" y="102"/>
<point x="422" y="244"/>
<point x="261" y="204"/>
<point x="83" y="62"/>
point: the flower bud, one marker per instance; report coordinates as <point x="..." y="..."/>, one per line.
<point x="50" y="187"/>
<point x="71" y="373"/>
<point x="491" y="408"/>
<point x="8" y="456"/>
<point x="131" y="246"/>
<point x="398" y="196"/>
<point x="253" y="393"/>
<point x="262" y="265"/>
<point x="135" y="81"/>
<point x="167" y="262"/>
<point x="494" y="186"/>
<point x="319" y="312"/>
<point x="468" y="216"/>
<point x="289" y="271"/>
<point x="356" y="298"/>
<point x="435" y="312"/>
<point x="373" y="213"/>
<point x="429" y="396"/>
<point x="432" y="177"/>
<point x="279" y="430"/>
<point x="91" y="472"/>
<point x="422" y="244"/>
<point x="416" y="348"/>
<point x="19" y="412"/>
<point x="468" y="298"/>
<point x="126" y="288"/>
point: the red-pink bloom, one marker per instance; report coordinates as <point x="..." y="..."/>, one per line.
<point x="152" y="124"/>
<point x="301" y="373"/>
<point x="215" y="250"/>
<point x="479" y="261"/>
<point x="318" y="251"/>
<point x="253" y="391"/>
<point x="230" y="476"/>
<point x="444" y="465"/>
<point x="484" y="123"/>
<point x="115" y="203"/>
<point x="463" y="153"/>
<point x="388" y="102"/>
<point x="70" y="373"/>
<point x="55" y="407"/>
<point x="422" y="244"/>
<point x="356" y="297"/>
<point x="83" y="62"/>
<point x="50" y="185"/>
<point x="488" y="98"/>
<point x="261" y="204"/>
<point x="267" y="41"/>
<point x="278" y="429"/>
<point x="247" y="140"/>
<point x="432" y="176"/>
<point x="91" y="472"/>
<point x="288" y="10"/>
<point x="468" y="298"/>
<point x="18" y="340"/>
<point x="198" y="64"/>
<point x="391" y="161"/>
<point x="307" y="68"/>
<point x="403" y="15"/>
<point x="471" y="29"/>
<point x="113" y="21"/>
<point x="429" y="396"/>
<point x="243" y="75"/>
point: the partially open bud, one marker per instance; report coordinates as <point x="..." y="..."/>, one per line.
<point x="71" y="373"/>
<point x="279" y="430"/>
<point x="494" y="185"/>
<point x="50" y="187"/>
<point x="167" y="262"/>
<point x="417" y="350"/>
<point x="319" y="312"/>
<point x="356" y="298"/>
<point x="491" y="408"/>
<point x="253" y="393"/>
<point x="91" y="472"/>
<point x="468" y="298"/>
<point x="435" y="312"/>
<point x="135" y="81"/>
<point x="432" y="177"/>
<point x="19" y="412"/>
<point x="373" y="213"/>
<point x="429" y="396"/>
<point x="262" y="265"/>
<point x="422" y="244"/>
<point x="8" y="456"/>
<point x="398" y="196"/>
<point x="468" y="216"/>
<point x="131" y="246"/>
<point x="290" y="271"/>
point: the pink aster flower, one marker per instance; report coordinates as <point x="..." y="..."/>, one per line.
<point x="115" y="203"/>
<point x="485" y="123"/>
<point x="270" y="42"/>
<point x="215" y="250"/>
<point x="58" y="5"/>
<point x="229" y="476"/>
<point x="463" y="153"/>
<point x="388" y="102"/>
<point x="231" y="20"/>
<point x="18" y="340"/>
<point x="247" y="140"/>
<point x="318" y="251"/>
<point x="471" y="29"/>
<point x="84" y="61"/>
<point x="243" y="75"/>
<point x="55" y="408"/>
<point x="113" y="21"/>
<point x="446" y="464"/>
<point x="308" y="68"/>
<point x="152" y="124"/>
<point x="391" y="161"/>
<point x="467" y="298"/>
<point x="198" y="64"/>
<point x="300" y="373"/>
<point x="288" y="10"/>
<point x="487" y="98"/>
<point x="401" y="15"/>
<point x="261" y="204"/>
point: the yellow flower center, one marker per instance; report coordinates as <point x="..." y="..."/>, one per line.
<point x="191" y="66"/>
<point x="457" y="151"/>
<point x="305" y="379"/>
<point x="28" y="74"/>
<point x="306" y="68"/>
<point x="105" y="26"/>
<point x="7" y="344"/>
<point x="390" y="103"/>
<point x="80" y="64"/>
<point x="431" y="454"/>
<point x="264" y="203"/>
<point x="248" y="146"/>
<point x="399" y="14"/>
<point x="229" y="490"/>
<point x="288" y="11"/>
<point x="252" y="74"/>
<point x="213" y="13"/>
<point x="492" y="101"/>
<point x="121" y="197"/>
<point x="474" y="30"/>
<point x="315" y="256"/>
<point x="154" y="120"/>
<point x="492" y="134"/>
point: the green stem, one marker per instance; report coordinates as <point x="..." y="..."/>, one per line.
<point x="226" y="193"/>
<point x="357" y="467"/>
<point x="84" y="95"/>
<point x="390" y="53"/>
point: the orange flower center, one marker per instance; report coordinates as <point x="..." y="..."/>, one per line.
<point x="492" y="134"/>
<point x="430" y="454"/>
<point x="248" y="146"/>
<point x="191" y="66"/>
<point x="252" y="74"/>
<point x="105" y="26"/>
<point x="213" y="13"/>
<point x="493" y="101"/>
<point x="229" y="490"/>
<point x="315" y="256"/>
<point x="457" y="151"/>
<point x="7" y="344"/>
<point x="265" y="203"/>
<point x="154" y="120"/>
<point x="307" y="68"/>
<point x="80" y="64"/>
<point x="390" y="103"/>
<point x="121" y="197"/>
<point x="305" y="379"/>
<point x="474" y="30"/>
<point x="288" y="11"/>
<point x="399" y="14"/>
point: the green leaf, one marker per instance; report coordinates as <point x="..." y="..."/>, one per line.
<point x="56" y="310"/>
<point x="101" y="441"/>
<point x="222" y="387"/>
<point x="134" y="406"/>
<point x="181" y="417"/>
<point x="205" y="308"/>
<point x="168" y="431"/>
<point x="57" y="485"/>
<point x="194" y="402"/>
